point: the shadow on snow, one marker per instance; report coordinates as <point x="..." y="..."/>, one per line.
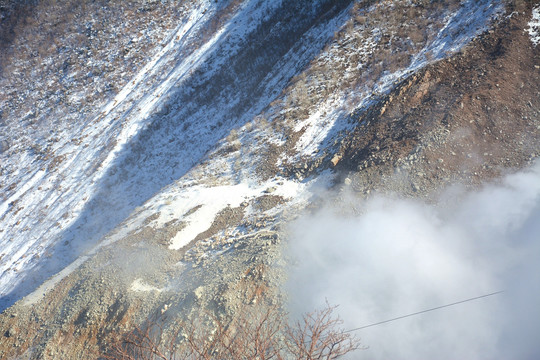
<point x="192" y="118"/>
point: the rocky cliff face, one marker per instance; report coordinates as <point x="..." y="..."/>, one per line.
<point x="151" y="172"/>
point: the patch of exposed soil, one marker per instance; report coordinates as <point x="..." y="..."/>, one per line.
<point x="267" y="202"/>
<point x="466" y="119"/>
<point x="225" y="218"/>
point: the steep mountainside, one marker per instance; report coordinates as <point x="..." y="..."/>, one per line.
<point x="152" y="153"/>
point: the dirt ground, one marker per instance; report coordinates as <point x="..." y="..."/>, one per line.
<point x="467" y="119"/>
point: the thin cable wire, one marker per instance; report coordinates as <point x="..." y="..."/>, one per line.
<point x="423" y="311"/>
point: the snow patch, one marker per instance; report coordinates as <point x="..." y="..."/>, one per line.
<point x="209" y="201"/>
<point x="316" y="129"/>
<point x="534" y="26"/>
<point x="140" y="286"/>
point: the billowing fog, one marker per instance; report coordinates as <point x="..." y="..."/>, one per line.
<point x="399" y="257"/>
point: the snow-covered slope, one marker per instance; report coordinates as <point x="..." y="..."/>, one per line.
<point x="179" y="191"/>
<point x="204" y="82"/>
<point x="200" y="85"/>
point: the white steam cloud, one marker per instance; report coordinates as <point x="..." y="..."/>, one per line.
<point x="403" y="256"/>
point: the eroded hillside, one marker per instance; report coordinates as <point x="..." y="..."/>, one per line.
<point x="175" y="193"/>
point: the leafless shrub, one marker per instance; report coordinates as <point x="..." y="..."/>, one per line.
<point x="317" y="336"/>
<point x="142" y="344"/>
<point x="257" y="327"/>
<point x="261" y="123"/>
<point x="417" y="35"/>
<point x="257" y="331"/>
<point x="233" y="136"/>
